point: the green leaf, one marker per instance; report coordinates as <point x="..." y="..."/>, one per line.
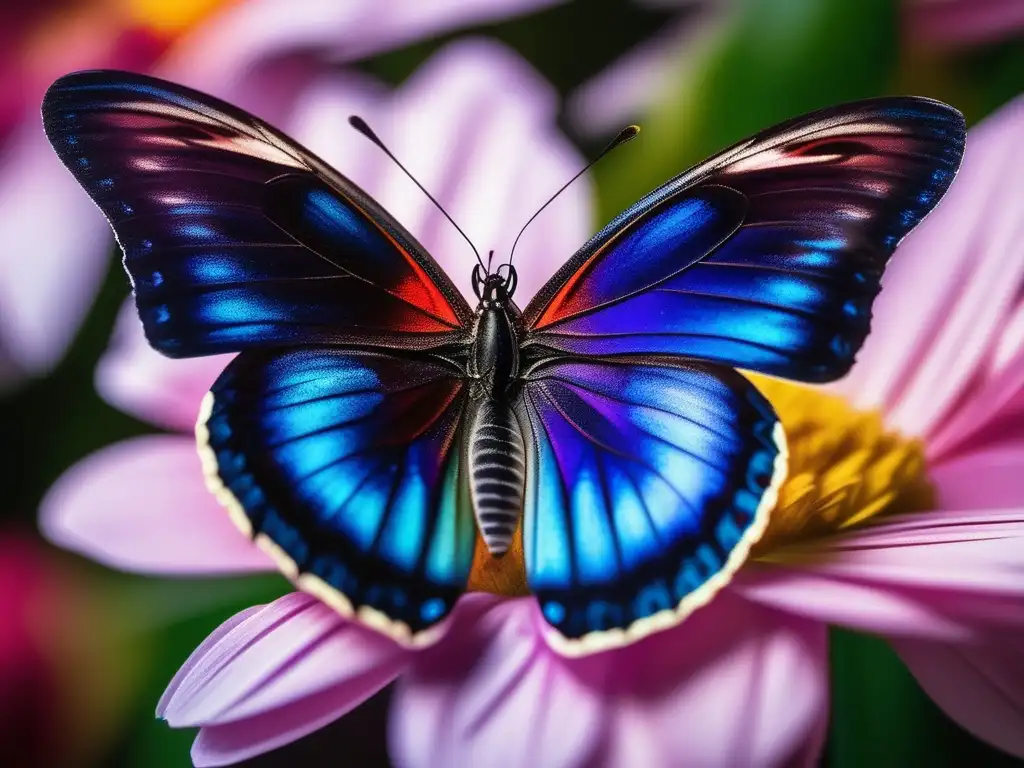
<point x="771" y="60"/>
<point x="881" y="717"/>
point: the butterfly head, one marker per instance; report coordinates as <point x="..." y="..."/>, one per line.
<point x="494" y="289"/>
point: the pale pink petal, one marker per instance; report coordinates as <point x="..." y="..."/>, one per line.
<point x="231" y="743"/>
<point x="134" y="377"/>
<point x="632" y="83"/>
<point x="950" y="575"/>
<point x="979" y="686"/>
<point x="211" y="641"/>
<point x="54" y="250"/>
<point x="490" y="155"/>
<point x="736" y="685"/>
<point x="950" y="288"/>
<point x="867" y="607"/>
<point x="964" y="22"/>
<point x="141" y="505"/>
<point x="294" y="648"/>
<point x="495" y="695"/>
<point x="259" y="52"/>
<point x="985" y="414"/>
<point x="992" y="478"/>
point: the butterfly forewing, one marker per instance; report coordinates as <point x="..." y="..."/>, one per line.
<point x="222" y="260"/>
<point x="821" y="203"/>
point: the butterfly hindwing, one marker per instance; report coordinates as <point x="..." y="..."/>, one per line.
<point x="820" y="203"/>
<point x="647" y="484"/>
<point x="202" y="197"/>
<point x="346" y="464"/>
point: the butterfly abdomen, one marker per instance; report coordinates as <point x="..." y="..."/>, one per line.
<point x="497" y="466"/>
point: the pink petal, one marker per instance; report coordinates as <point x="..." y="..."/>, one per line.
<point x="54" y="249"/>
<point x="141" y="505"/>
<point x="231" y="743"/>
<point x="984" y="415"/>
<point x="981" y="687"/>
<point x="984" y="479"/>
<point x="211" y="641"/>
<point x="964" y="22"/>
<point x="630" y="84"/>
<point x="466" y="141"/>
<point x="735" y="685"/>
<point x="260" y="52"/>
<point x="950" y="288"/>
<point x="295" y="648"/>
<point x="950" y="575"/>
<point x="134" y="377"/>
<point x="494" y="694"/>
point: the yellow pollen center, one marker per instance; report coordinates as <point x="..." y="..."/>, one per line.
<point x="844" y="470"/>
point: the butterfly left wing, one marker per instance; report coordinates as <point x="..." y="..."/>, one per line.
<point x="235" y="236"/>
<point x="767" y="256"/>
<point x="647" y="483"/>
<point x="345" y="465"/>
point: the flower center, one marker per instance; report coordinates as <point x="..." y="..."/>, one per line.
<point x="844" y="470"/>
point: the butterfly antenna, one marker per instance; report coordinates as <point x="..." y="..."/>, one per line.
<point x="626" y="134"/>
<point x="490" y="258"/>
<point x="360" y="125"/>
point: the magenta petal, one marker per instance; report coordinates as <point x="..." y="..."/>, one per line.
<point x="279" y="657"/>
<point x="134" y="377"/>
<point x="981" y="687"/>
<point x="142" y="505"/>
<point x="735" y="685"/>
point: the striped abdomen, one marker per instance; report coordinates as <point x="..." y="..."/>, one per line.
<point x="497" y="467"/>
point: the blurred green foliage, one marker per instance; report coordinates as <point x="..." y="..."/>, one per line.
<point x="766" y="61"/>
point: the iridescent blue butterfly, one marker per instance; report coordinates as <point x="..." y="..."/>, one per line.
<point x="374" y="424"/>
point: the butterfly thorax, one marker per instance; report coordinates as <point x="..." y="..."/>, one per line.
<point x="497" y="459"/>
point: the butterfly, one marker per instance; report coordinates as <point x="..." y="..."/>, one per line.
<point x="374" y="424"/>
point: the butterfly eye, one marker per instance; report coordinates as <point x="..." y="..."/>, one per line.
<point x="508" y="277"/>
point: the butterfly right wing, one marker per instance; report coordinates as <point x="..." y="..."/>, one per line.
<point x="235" y="236"/>
<point x="345" y="465"/>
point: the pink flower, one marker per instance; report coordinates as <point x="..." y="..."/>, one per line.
<point x="743" y="681"/>
<point x="963" y="22"/>
<point x="261" y="54"/>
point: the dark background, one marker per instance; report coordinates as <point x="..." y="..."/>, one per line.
<point x="777" y="59"/>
